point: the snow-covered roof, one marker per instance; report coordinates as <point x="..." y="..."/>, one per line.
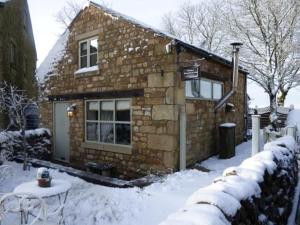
<point x="47" y="67"/>
<point x="116" y="15"/>
<point x="280" y="109"/>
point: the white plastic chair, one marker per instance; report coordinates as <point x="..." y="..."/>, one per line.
<point x="23" y="206"/>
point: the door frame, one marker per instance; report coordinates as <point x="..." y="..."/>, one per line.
<point x="54" y="133"/>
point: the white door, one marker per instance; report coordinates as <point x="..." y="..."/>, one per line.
<point x="61" y="132"/>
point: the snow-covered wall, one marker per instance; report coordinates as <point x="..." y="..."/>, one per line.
<point x="259" y="191"/>
<point x="38" y="144"/>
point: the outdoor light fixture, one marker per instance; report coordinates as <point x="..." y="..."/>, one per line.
<point x="71" y="110"/>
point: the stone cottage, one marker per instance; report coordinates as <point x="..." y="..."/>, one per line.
<point x="17" y="48"/>
<point x="114" y="94"/>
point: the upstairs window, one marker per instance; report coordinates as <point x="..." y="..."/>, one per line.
<point x="204" y="89"/>
<point x="88" y="53"/>
<point x="13" y="54"/>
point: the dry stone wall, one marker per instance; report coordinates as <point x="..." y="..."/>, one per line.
<point x="259" y="191"/>
<point x="38" y="144"/>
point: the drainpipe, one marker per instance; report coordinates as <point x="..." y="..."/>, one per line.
<point x="182" y="118"/>
<point x="235" y="74"/>
<point x="182" y="156"/>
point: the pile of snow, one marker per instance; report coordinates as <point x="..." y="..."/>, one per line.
<point x="47" y="67"/>
<point x="236" y="184"/>
<point x="293" y="118"/>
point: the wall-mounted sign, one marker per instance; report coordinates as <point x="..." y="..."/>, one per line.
<point x="190" y="73"/>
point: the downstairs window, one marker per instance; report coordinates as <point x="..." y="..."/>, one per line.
<point x="108" y="121"/>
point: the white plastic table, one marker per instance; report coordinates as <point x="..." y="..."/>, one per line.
<point x="59" y="188"/>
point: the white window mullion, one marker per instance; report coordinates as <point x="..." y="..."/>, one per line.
<point x="88" y="53"/>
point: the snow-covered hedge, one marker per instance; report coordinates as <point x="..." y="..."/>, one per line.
<point x="259" y="191"/>
<point x="38" y="144"/>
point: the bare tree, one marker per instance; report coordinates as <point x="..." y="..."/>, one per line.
<point x="199" y="24"/>
<point x="13" y="103"/>
<point x="71" y="8"/>
<point x="267" y="28"/>
<point x="68" y="12"/>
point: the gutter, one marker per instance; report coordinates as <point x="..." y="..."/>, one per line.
<point x="209" y="55"/>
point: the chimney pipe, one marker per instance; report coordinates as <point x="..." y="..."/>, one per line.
<point x="235" y="59"/>
<point x="235" y="74"/>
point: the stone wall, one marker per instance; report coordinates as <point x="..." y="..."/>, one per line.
<point x="14" y="29"/>
<point x="203" y="122"/>
<point x="18" y="31"/>
<point x="259" y="191"/>
<point x="131" y="57"/>
<point x="38" y="144"/>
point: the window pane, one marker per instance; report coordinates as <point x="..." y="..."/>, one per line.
<point x="92" y="110"/>
<point x="92" y="131"/>
<point x="123" y="110"/>
<point x="93" y="60"/>
<point x="195" y="86"/>
<point x="107" y="111"/>
<point x="83" y="48"/>
<point x="93" y="46"/>
<point x="205" y="89"/>
<point x="107" y="132"/>
<point x="123" y="134"/>
<point x="83" y="61"/>
<point x="217" y="91"/>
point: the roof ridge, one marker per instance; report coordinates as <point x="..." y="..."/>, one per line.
<point x="206" y="53"/>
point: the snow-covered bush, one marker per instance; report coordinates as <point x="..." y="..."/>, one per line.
<point x="259" y="191"/>
<point x="38" y="144"/>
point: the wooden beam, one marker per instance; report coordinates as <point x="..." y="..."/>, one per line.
<point x="98" y="95"/>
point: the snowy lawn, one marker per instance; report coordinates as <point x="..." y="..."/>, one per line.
<point x="91" y="204"/>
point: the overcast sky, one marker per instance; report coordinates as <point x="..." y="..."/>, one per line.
<point x="46" y="30"/>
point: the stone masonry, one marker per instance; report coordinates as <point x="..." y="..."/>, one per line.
<point x="133" y="57"/>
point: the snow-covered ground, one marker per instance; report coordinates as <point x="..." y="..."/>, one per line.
<point x="90" y="204"/>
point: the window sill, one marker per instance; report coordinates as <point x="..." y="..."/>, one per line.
<point x="202" y="99"/>
<point x="108" y="147"/>
<point x="87" y="71"/>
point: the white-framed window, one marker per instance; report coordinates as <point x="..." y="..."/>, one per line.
<point x="88" y="52"/>
<point x="204" y="89"/>
<point x="108" y="121"/>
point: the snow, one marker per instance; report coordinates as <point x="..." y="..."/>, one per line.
<point x="209" y="195"/>
<point x="87" y="69"/>
<point x="293" y="118"/>
<point x="228" y="125"/>
<point x="47" y="67"/>
<point x="245" y="190"/>
<point x="198" y="214"/>
<point x="4" y="1"/>
<point x="94" y="204"/>
<point x="227" y="191"/>
<point x="57" y="187"/>
<point x="173" y="200"/>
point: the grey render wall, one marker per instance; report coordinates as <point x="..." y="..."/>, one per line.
<point x="16" y="28"/>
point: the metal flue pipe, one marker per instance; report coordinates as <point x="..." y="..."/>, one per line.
<point x="235" y="74"/>
<point x="235" y="58"/>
